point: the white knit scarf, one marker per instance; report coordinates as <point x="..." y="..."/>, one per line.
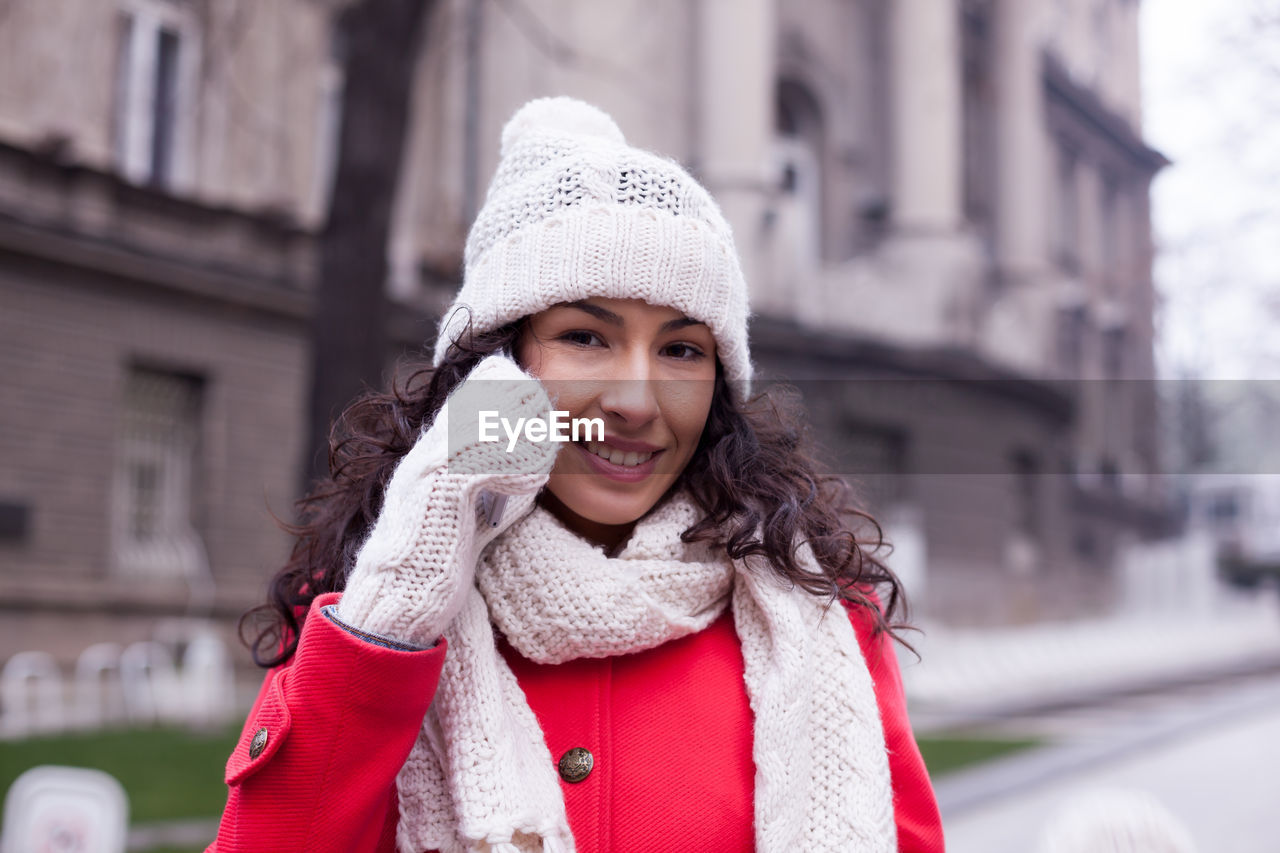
<point x="481" y="777"/>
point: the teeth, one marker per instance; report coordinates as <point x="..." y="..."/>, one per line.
<point x="628" y="459"/>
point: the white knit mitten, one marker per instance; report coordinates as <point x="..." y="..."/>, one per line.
<point x="412" y="574"/>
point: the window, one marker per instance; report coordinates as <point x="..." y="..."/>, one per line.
<point x="1224" y="506"/>
<point x="152" y="529"/>
<point x="1066" y="210"/>
<point x="1073" y="326"/>
<point x="1111" y="236"/>
<point x="978" y="57"/>
<point x="1109" y="473"/>
<point x="799" y="147"/>
<point x="1113" y="351"/>
<point x="1085" y="544"/>
<point x="1022" y="545"/>
<point x="155" y="86"/>
<point x="164" y="106"/>
<point x="875" y="458"/>
<point x="1026" y="470"/>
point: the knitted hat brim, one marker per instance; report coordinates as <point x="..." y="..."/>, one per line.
<point x="611" y="251"/>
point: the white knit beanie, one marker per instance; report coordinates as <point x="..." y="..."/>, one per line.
<point x="574" y="212"/>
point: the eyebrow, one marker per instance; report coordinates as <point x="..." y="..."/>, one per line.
<point x="607" y="316"/>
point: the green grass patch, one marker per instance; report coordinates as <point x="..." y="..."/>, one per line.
<point x="944" y="755"/>
<point x="168" y="773"/>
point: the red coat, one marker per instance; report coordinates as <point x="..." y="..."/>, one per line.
<point x="669" y="729"/>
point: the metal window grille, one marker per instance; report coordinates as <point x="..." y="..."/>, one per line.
<point x="155" y="476"/>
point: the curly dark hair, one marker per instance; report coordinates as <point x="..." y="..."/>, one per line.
<point x="752" y="474"/>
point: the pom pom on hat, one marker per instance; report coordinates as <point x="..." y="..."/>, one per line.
<point x="562" y="117"/>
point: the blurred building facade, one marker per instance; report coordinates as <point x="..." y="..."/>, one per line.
<point x="942" y="208"/>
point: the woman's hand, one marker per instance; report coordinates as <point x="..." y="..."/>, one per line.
<point x="450" y="496"/>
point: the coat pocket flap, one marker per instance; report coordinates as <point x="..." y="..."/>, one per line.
<point x="262" y="737"/>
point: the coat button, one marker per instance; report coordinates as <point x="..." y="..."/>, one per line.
<point x="258" y="743"/>
<point x="576" y="764"/>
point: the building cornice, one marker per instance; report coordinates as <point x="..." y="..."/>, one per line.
<point x="1087" y="108"/>
<point x="79" y="217"/>
<point x="854" y="356"/>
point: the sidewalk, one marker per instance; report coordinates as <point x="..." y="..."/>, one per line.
<point x="1183" y="709"/>
<point x="1213" y="763"/>
<point x="1119" y="732"/>
<point x="972" y="676"/>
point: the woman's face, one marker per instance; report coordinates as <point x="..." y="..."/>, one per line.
<point x="648" y="373"/>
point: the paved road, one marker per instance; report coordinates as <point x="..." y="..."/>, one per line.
<point x="1213" y="760"/>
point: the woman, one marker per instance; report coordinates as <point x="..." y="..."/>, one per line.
<point x="623" y="642"/>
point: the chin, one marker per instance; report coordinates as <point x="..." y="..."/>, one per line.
<point x="601" y="504"/>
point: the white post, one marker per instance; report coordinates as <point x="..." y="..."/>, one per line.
<point x="31" y="695"/>
<point x="99" y="695"/>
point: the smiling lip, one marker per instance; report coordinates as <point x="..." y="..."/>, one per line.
<point x="629" y="445"/>
<point x="620" y="473"/>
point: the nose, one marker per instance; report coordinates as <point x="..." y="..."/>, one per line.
<point x="629" y="393"/>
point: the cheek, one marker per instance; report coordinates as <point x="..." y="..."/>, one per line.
<point x="574" y="396"/>
<point x="686" y="406"/>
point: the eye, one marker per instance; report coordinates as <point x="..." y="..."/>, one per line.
<point x="582" y="338"/>
<point x="684" y="352"/>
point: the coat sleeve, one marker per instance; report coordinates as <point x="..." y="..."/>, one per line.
<point x="914" y="804"/>
<point x="333" y="726"/>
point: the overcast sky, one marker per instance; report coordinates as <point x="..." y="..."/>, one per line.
<point x="1211" y="76"/>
